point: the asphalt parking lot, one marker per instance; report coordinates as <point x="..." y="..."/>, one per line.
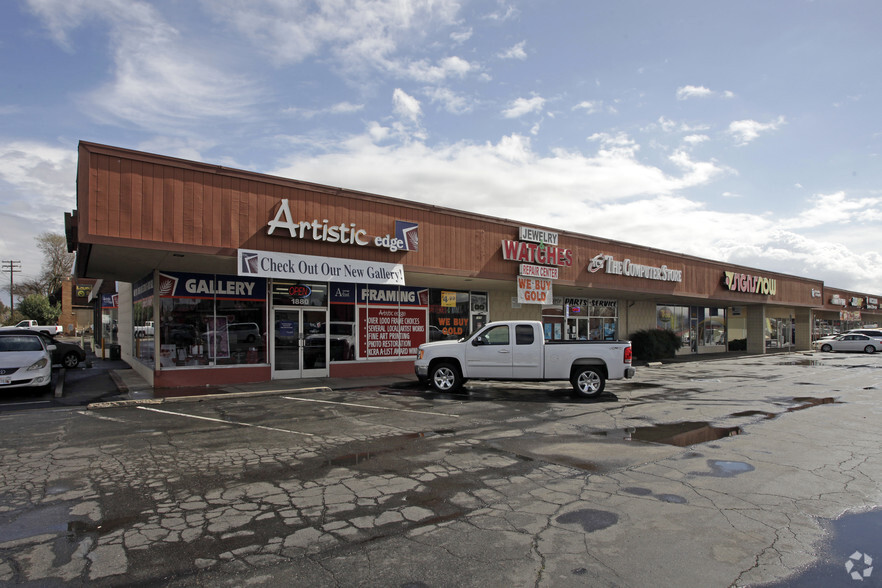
<point x="738" y="471"/>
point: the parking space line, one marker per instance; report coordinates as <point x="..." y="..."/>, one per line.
<point x="101" y="417"/>
<point x="453" y="416"/>
<point x="193" y="416"/>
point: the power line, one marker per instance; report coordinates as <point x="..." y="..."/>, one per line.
<point x="13" y="267"/>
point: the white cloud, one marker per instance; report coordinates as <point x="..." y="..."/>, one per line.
<point x="334" y="109"/>
<point x="406" y="106"/>
<point x="451" y="101"/>
<point x="515" y="52"/>
<point x="152" y="86"/>
<point x="745" y="131"/>
<point x="460" y="37"/>
<point x="686" y="92"/>
<point x="589" y="106"/>
<point x="523" y="106"/>
<point x="39" y="185"/>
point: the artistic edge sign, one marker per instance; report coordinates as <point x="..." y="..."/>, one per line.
<point x="270" y="264"/>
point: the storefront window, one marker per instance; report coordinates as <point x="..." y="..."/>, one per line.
<point x="448" y="314"/>
<point x="142" y="321"/>
<point x="699" y="328"/>
<point x="591" y="319"/>
<point x="109" y="319"/>
<point x="208" y="319"/>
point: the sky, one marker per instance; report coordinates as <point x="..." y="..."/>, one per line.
<point x="745" y="132"/>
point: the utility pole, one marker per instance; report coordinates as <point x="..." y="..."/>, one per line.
<point x="13" y="267"/>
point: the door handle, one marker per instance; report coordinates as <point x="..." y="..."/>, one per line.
<point x="504" y="351"/>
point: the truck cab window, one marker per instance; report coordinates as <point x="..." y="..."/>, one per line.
<point x="524" y="335"/>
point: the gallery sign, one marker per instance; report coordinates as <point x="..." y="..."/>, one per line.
<point x="738" y="282"/>
<point x="633" y="270"/>
<point x="210" y="286"/>
<point x="288" y="266"/>
<point x="406" y="236"/>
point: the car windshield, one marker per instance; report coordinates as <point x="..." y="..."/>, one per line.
<point x="20" y="343"/>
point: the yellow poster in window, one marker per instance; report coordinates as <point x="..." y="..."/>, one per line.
<point x="448" y="299"/>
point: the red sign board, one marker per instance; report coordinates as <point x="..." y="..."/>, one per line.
<point x="391" y="332"/>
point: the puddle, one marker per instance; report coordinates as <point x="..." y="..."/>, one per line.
<point x="590" y="519"/>
<point x="803" y="402"/>
<point x="803" y="362"/>
<point x="671" y="498"/>
<point x="360" y="457"/>
<point x="680" y="434"/>
<point x="725" y="469"/>
<point x="808" y="402"/>
<point x="845" y="558"/>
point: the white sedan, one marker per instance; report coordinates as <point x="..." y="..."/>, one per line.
<point x="850" y="343"/>
<point x="25" y="360"/>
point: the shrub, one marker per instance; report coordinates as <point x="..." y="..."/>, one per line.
<point x="651" y="344"/>
<point x="738" y="345"/>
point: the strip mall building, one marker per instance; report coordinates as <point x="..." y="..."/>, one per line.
<point x="228" y="276"/>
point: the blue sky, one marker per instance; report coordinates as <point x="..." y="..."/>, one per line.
<point x="747" y="132"/>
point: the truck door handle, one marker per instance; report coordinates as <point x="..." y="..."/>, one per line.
<point x="504" y="351"/>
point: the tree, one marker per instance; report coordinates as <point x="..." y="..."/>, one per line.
<point x="57" y="261"/>
<point x="36" y="307"/>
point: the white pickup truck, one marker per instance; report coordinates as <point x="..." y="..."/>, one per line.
<point x="32" y="325"/>
<point x="517" y="350"/>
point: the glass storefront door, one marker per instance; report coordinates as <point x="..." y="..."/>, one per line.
<point x="300" y="343"/>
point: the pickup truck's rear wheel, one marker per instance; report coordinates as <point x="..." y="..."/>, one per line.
<point x="445" y="377"/>
<point x="588" y="382"/>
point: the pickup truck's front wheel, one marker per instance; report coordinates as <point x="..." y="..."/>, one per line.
<point x="445" y="377"/>
<point x="588" y="382"/>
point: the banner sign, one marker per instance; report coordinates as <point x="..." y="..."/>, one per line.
<point x="738" y="282"/>
<point x="210" y="286"/>
<point x="534" y="291"/>
<point x="269" y="264"/>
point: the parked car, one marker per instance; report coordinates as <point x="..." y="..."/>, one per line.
<point x="850" y="342"/>
<point x="874" y="333"/>
<point x="65" y="354"/>
<point x="25" y="360"/>
<point x="68" y="355"/>
<point x="245" y="333"/>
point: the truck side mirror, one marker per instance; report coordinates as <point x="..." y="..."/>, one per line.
<point x="479" y="340"/>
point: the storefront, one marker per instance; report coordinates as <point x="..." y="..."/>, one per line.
<point x="229" y="276"/>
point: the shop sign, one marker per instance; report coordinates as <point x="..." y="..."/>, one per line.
<point x="269" y="264"/>
<point x="539" y="271"/>
<point x="738" y="282"/>
<point x="393" y="295"/>
<point x="836" y="300"/>
<point x="816" y="293"/>
<point x="109" y="301"/>
<point x="184" y="285"/>
<point x="857" y="302"/>
<point x="83" y="291"/>
<point x="872" y="303"/>
<point x="537" y="236"/>
<point x="633" y="270"/>
<point x="578" y="302"/>
<point x="534" y="291"/>
<point x="406" y="236"/>
<point x="536" y="253"/>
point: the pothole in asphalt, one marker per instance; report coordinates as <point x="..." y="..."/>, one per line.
<point x="725" y="469"/>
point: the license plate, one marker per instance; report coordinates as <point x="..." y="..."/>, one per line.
<point x="5" y="380"/>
